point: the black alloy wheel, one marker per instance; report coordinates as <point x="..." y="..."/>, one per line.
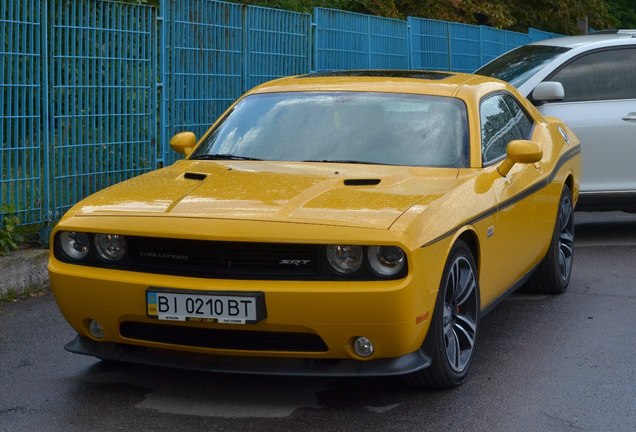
<point x="455" y="323"/>
<point x="552" y="276"/>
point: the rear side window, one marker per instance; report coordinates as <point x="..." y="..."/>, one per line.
<point x="502" y="120"/>
<point x="601" y="75"/>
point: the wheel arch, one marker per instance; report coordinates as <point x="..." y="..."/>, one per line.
<point x="471" y="239"/>
<point x="569" y="180"/>
<point x="430" y="377"/>
<point x="571" y="184"/>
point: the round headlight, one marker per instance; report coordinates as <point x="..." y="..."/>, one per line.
<point x="345" y="259"/>
<point x="386" y="260"/>
<point x="75" y="245"/>
<point x="110" y="247"/>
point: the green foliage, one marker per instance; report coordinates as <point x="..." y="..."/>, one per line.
<point x="625" y="13"/>
<point x="558" y="16"/>
<point x="10" y="235"/>
<point x="12" y="295"/>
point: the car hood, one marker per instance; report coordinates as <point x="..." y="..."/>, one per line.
<point x="370" y="196"/>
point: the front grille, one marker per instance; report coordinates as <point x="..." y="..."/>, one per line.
<point x="223" y="259"/>
<point x="223" y="339"/>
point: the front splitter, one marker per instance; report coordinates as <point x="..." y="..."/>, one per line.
<point x="249" y="365"/>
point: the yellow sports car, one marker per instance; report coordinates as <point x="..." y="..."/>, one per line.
<point x="339" y="223"/>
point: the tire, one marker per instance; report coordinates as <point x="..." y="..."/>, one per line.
<point x="552" y="276"/>
<point x="453" y="331"/>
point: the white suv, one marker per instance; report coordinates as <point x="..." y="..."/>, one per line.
<point x="590" y="83"/>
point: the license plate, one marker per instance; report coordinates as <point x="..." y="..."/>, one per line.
<point x="223" y="307"/>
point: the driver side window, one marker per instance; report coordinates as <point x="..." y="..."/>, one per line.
<point x="502" y="120"/>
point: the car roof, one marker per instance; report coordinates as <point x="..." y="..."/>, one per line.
<point x="600" y="39"/>
<point x="394" y="81"/>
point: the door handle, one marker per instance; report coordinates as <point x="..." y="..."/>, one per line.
<point x="630" y="117"/>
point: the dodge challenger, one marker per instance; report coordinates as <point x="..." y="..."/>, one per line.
<point x="350" y="223"/>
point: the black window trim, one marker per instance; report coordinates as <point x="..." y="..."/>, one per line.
<point x="523" y="109"/>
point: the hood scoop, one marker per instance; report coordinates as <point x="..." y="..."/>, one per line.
<point x="194" y="176"/>
<point x="361" y="182"/>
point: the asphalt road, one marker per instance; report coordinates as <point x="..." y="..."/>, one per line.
<point x="543" y="363"/>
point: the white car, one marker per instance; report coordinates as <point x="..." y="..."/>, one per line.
<point x="590" y="83"/>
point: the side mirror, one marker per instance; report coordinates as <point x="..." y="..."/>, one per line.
<point x="520" y="151"/>
<point x="548" y="91"/>
<point x="183" y="142"/>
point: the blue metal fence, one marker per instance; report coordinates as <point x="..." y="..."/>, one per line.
<point x="341" y="40"/>
<point x="514" y="39"/>
<point x="465" y="47"/>
<point x="205" y="52"/>
<point x="21" y="104"/>
<point x="388" y="43"/>
<point x="458" y="47"/>
<point x="346" y="40"/>
<point x="429" y="44"/>
<point x="92" y="90"/>
<point x="102" y="77"/>
<point x="536" y="35"/>
<point x="493" y="43"/>
<point x="278" y="44"/>
<point x="217" y="51"/>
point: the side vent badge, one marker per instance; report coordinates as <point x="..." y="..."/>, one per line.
<point x="564" y="135"/>
<point x="490" y="232"/>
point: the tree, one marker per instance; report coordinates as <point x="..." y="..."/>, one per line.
<point x="624" y="11"/>
<point x="561" y="16"/>
<point x="558" y="16"/>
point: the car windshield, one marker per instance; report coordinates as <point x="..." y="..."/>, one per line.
<point x="351" y="127"/>
<point x="518" y="65"/>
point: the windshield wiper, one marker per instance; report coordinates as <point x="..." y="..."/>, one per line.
<point x="222" y="156"/>
<point x="345" y="161"/>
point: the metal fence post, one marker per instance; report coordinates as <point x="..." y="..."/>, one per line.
<point x="245" y="27"/>
<point x="312" y="46"/>
<point x="47" y="128"/>
<point x="450" y="47"/>
<point x="409" y="49"/>
<point x="368" y="42"/>
<point x="162" y="52"/>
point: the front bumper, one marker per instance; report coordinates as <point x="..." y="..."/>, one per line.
<point x="395" y="315"/>
<point x="249" y="365"/>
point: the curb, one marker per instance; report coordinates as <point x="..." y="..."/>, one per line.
<point x="23" y="270"/>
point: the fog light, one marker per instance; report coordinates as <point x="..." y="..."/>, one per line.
<point x="96" y="329"/>
<point x="363" y="346"/>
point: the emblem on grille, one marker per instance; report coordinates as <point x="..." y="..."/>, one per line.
<point x="294" y="262"/>
<point x="161" y="255"/>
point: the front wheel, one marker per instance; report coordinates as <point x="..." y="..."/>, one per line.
<point x="552" y="276"/>
<point x="455" y="322"/>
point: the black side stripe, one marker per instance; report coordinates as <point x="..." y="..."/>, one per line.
<point x="515" y="199"/>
